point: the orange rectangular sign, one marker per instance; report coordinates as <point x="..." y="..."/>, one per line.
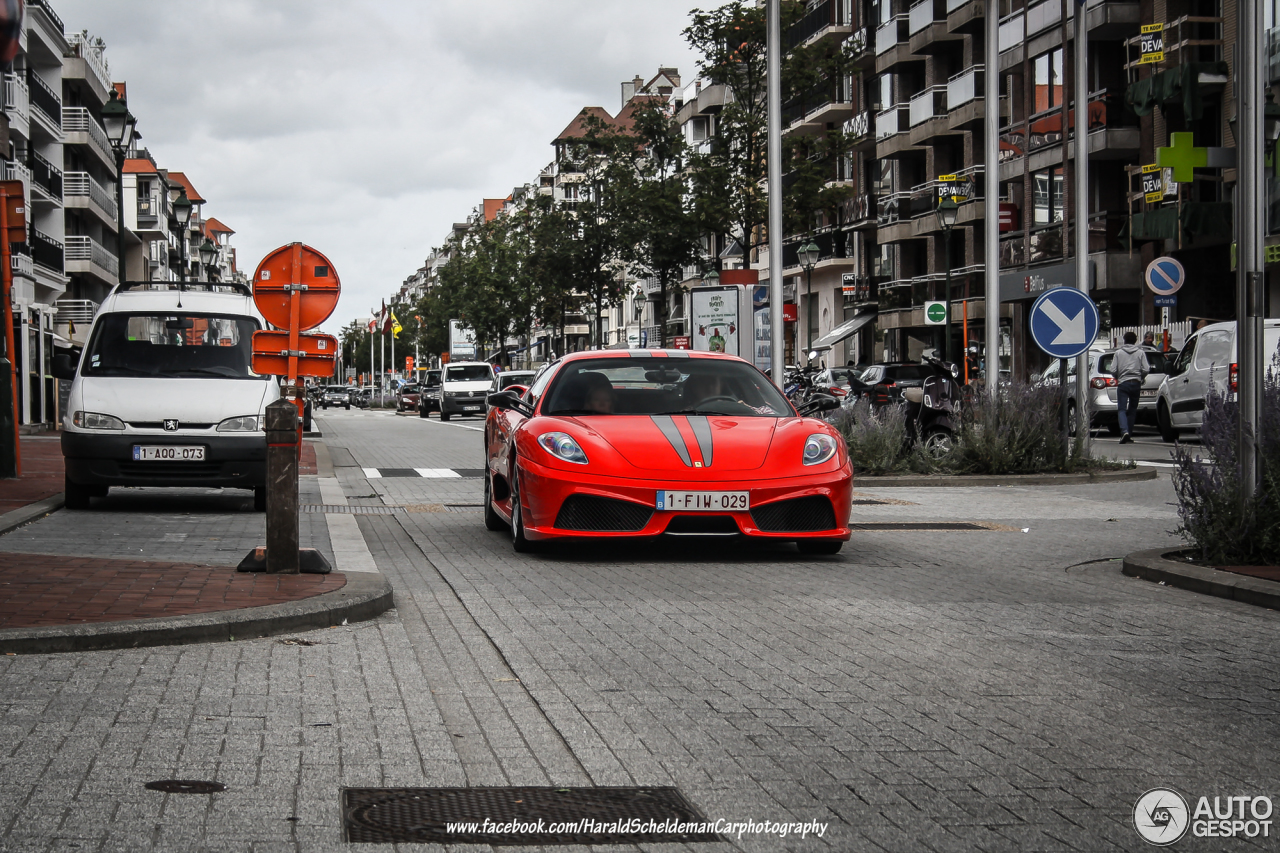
<point x="17" y="210"/>
<point x="316" y="354"/>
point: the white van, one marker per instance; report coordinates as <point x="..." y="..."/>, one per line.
<point x="464" y="388"/>
<point x="164" y="395"/>
<point x="1207" y="362"/>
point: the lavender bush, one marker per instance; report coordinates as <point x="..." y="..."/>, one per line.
<point x="876" y="437"/>
<point x="1207" y="483"/>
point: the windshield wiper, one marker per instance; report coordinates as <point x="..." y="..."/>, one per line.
<point x="702" y="412"/>
<point x="572" y="412"/>
<point x="103" y="370"/>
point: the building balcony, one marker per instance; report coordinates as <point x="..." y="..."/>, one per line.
<point x="828" y="102"/>
<point x="858" y="212"/>
<point x="822" y="21"/>
<point x="965" y="16"/>
<point x="92" y="65"/>
<point x="966" y="99"/>
<point x="46" y="181"/>
<point x="82" y="129"/>
<point x="15" y="171"/>
<point x="78" y="311"/>
<point x="82" y="192"/>
<point x="859" y="128"/>
<point x="88" y="256"/>
<point x="928" y="27"/>
<point x="893" y="44"/>
<point x="17" y="97"/>
<point x="20" y="262"/>
<point x="46" y="251"/>
<point x="928" y="115"/>
<point x="45" y="101"/>
<point x="43" y="6"/>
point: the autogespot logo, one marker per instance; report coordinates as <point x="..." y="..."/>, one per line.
<point x="1160" y="816"/>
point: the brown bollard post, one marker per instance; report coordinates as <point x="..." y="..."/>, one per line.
<point x="282" y="487"/>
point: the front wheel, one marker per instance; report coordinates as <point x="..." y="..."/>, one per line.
<point x="422" y="413"/>
<point x="819" y="546"/>
<point x="492" y="521"/>
<point x="444" y="416"/>
<point x="1165" y="423"/>
<point x="519" y="542"/>
<point x="938" y="443"/>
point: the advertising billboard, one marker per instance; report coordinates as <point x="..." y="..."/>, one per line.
<point x="715" y="319"/>
<point x="462" y="341"/>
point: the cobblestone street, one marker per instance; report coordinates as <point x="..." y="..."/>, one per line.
<point x="1004" y="688"/>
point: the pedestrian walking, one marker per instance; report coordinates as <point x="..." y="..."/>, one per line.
<point x="1130" y="368"/>
<point x="1149" y="341"/>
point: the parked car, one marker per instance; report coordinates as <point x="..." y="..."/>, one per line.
<point x="362" y="397"/>
<point x="1103" y="390"/>
<point x="1206" y="363"/>
<point x="463" y="388"/>
<point x="407" y="397"/>
<point x="166" y="396"/>
<point x="336" y="395"/>
<point x="428" y="393"/>
<point x="607" y="444"/>
<point x="885" y="382"/>
<point x="507" y="378"/>
<point x="841" y="383"/>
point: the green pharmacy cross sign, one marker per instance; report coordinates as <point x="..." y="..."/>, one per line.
<point x="1183" y="157"/>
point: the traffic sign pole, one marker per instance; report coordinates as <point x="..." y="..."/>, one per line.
<point x="1064" y="322"/>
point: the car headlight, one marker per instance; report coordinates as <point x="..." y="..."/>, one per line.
<point x="244" y="423"/>
<point x="94" y="420"/>
<point x="562" y="446"/>
<point x="818" y="448"/>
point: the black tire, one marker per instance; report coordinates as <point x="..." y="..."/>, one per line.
<point x="519" y="542"/>
<point x="492" y="521"/>
<point x="422" y="413"/>
<point x="1165" y="423"/>
<point x="938" y="443"/>
<point x="348" y="407"/>
<point x="444" y="416"/>
<point x="74" y="495"/>
<point x="259" y="498"/>
<point x="819" y="546"/>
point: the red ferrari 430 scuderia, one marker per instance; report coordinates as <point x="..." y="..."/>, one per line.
<point x="662" y="442"/>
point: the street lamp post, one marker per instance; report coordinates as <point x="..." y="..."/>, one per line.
<point x="119" y="124"/>
<point x="208" y="252"/>
<point x="947" y="211"/>
<point x="182" y="213"/>
<point x="808" y="255"/>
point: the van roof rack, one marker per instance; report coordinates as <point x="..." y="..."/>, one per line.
<point x="206" y="286"/>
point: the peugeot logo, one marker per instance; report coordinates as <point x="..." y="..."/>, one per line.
<point x="171" y="425"/>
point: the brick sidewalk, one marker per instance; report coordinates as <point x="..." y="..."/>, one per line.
<point x="41" y="590"/>
<point x="41" y="473"/>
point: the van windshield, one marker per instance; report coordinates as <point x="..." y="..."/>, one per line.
<point x="172" y="345"/>
<point x="469" y="373"/>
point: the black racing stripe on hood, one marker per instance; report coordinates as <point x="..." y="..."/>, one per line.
<point x="702" y="431"/>
<point x="672" y="433"/>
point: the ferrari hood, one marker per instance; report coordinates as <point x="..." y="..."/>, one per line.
<point x="675" y="444"/>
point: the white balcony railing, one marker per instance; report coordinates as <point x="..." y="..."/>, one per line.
<point x="965" y="87"/>
<point x="91" y="51"/>
<point x="15" y="171"/>
<point x="928" y="104"/>
<point x="953" y="5"/>
<point x="1043" y="16"/>
<point x="17" y="97"/>
<point x="887" y="36"/>
<point x="81" y="248"/>
<point x="1012" y="32"/>
<point x="83" y="184"/>
<point x="891" y="121"/>
<point x="22" y="265"/>
<point x="81" y="311"/>
<point x="80" y="120"/>
<point x="859" y="125"/>
<point x="921" y="16"/>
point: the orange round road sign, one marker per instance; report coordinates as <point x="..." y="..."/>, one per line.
<point x="300" y="269"/>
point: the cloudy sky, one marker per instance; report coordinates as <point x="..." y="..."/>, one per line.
<point x="365" y="127"/>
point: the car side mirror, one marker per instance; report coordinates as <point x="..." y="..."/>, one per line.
<point x="64" y="367"/>
<point x="511" y="402"/>
<point x="819" y="403"/>
<point x="518" y="390"/>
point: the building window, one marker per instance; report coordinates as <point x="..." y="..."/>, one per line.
<point x="1047" y="188"/>
<point x="1047" y="69"/>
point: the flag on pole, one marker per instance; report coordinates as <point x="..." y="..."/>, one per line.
<point x="395" y="326"/>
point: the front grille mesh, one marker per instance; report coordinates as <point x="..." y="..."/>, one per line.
<point x="799" y="515"/>
<point x="597" y="514"/>
<point x="170" y="469"/>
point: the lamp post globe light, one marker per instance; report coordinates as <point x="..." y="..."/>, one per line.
<point x="182" y="213"/>
<point x="947" y="212"/>
<point x="808" y="255"/>
<point x="119" y="124"/>
<point x="208" y="253"/>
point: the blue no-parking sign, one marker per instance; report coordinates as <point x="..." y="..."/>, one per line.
<point x="1164" y="276"/>
<point x="1064" y="321"/>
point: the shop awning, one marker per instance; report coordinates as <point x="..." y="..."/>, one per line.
<point x="1181" y="83"/>
<point x="1209" y="220"/>
<point x="843" y="331"/>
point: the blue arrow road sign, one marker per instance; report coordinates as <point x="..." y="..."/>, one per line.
<point x="1064" y="322"/>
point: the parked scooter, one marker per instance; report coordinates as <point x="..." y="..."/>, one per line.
<point x="933" y="409"/>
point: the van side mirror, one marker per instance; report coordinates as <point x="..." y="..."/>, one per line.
<point x="64" y="367"/>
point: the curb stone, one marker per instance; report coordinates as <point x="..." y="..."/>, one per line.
<point x="14" y="519"/>
<point x="1152" y="565"/>
<point x="957" y="480"/>
<point x="364" y="596"/>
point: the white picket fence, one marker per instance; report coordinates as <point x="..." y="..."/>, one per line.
<point x="1178" y="333"/>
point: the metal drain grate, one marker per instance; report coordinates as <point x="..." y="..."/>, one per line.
<point x="186" y="786"/>
<point x="351" y="510"/>
<point x="858" y="502"/>
<point x="918" y="525"/>
<point x="521" y="816"/>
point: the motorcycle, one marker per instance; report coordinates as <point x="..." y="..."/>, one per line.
<point x="933" y="409"/>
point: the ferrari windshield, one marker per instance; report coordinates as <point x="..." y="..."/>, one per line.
<point x="172" y="345"/>
<point x="664" y="386"/>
